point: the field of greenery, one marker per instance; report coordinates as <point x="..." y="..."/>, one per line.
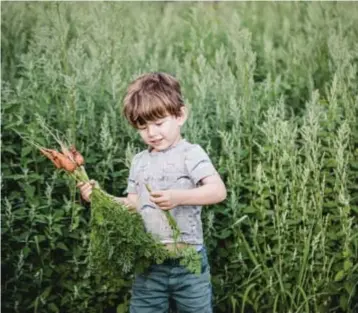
<point x="272" y="92"/>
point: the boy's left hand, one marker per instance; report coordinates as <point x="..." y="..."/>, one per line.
<point x="166" y="199"/>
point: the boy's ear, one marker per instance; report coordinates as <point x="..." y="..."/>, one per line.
<point x="183" y="115"/>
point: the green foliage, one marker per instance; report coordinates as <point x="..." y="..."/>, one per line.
<point x="190" y="259"/>
<point x="272" y="93"/>
<point x="119" y="243"/>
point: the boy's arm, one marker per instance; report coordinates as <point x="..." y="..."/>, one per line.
<point x="211" y="191"/>
<point x="86" y="190"/>
<point x="210" y="187"/>
<point x="130" y="201"/>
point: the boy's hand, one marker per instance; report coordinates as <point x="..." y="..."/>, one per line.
<point x="86" y="189"/>
<point x="166" y="199"/>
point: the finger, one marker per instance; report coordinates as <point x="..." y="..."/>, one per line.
<point x="156" y="194"/>
<point x="85" y="197"/>
<point x="165" y="208"/>
<point x="80" y="184"/>
<point x="126" y="203"/>
<point x="84" y="185"/>
<point x="86" y="188"/>
<point x="163" y="205"/>
<point x="86" y="191"/>
<point x="157" y="200"/>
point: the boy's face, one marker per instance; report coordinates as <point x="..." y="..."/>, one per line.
<point x="162" y="133"/>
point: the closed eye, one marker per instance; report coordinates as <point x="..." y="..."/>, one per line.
<point x="161" y="122"/>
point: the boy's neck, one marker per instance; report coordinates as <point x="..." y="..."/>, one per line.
<point x="176" y="141"/>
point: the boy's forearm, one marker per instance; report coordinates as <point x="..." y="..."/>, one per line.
<point x="126" y="201"/>
<point x="204" y="195"/>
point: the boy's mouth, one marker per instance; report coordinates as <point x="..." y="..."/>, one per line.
<point x="156" y="142"/>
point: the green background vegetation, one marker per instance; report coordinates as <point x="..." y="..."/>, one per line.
<point x="272" y="92"/>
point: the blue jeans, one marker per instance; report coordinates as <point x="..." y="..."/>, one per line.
<point x="191" y="293"/>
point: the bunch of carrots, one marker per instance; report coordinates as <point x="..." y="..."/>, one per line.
<point x="68" y="160"/>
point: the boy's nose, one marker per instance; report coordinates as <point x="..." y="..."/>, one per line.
<point x="151" y="130"/>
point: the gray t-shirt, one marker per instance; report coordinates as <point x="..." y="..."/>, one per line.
<point x="182" y="166"/>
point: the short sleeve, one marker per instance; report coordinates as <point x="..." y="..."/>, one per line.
<point x="198" y="164"/>
<point x="131" y="183"/>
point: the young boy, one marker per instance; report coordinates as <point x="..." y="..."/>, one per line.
<point x="183" y="179"/>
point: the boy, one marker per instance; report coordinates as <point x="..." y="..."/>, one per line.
<point x="183" y="179"/>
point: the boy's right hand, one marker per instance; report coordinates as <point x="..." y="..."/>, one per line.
<point x="86" y="189"/>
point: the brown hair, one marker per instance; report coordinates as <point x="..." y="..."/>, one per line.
<point x="152" y="96"/>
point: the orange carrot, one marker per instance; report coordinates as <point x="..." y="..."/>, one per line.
<point x="66" y="163"/>
<point x="78" y="157"/>
<point x="48" y="153"/>
<point x="66" y="152"/>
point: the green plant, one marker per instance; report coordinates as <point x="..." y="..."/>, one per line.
<point x="271" y="89"/>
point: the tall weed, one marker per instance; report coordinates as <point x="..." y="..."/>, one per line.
<point x="271" y="89"/>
